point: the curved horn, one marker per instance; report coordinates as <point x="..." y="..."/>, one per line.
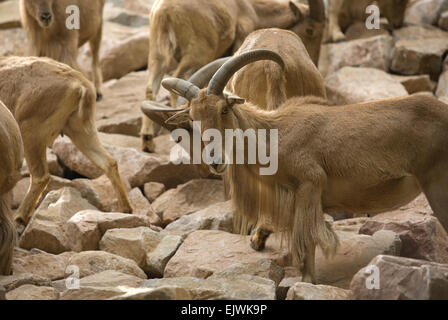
<point x="202" y="77"/>
<point x="223" y="75"/>
<point x="181" y="87"/>
<point x="317" y="10"/>
<point x="153" y="106"/>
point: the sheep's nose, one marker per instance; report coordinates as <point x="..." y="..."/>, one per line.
<point x="46" y="16"/>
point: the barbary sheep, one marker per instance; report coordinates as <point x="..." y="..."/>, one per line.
<point x="48" y="98"/>
<point x="264" y="83"/>
<point x="361" y="158"/>
<point x="11" y="159"/>
<point x="343" y="13"/>
<point x="197" y="32"/>
<point x="47" y="25"/>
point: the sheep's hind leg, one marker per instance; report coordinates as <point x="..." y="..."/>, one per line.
<point x="87" y="141"/>
<point x="435" y="188"/>
<point x="40" y="177"/>
<point x="97" y="76"/>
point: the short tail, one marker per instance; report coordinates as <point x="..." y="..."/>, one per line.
<point x="8" y="236"/>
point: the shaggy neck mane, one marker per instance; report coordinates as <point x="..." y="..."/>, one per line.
<point x="274" y="14"/>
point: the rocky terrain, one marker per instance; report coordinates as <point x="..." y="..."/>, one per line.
<point x="179" y="242"/>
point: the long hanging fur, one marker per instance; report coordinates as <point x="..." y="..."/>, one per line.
<point x="254" y="198"/>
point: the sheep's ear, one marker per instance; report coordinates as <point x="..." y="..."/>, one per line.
<point x="179" y="118"/>
<point x="296" y="10"/>
<point x="233" y="99"/>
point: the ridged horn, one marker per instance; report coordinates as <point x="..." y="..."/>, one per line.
<point x="317" y="10"/>
<point x="181" y="87"/>
<point x="202" y="77"/>
<point x="223" y="75"/>
<point x="153" y="106"/>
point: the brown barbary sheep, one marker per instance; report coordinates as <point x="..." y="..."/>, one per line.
<point x="266" y="85"/>
<point x="197" y="32"/>
<point x="11" y="159"/>
<point x="343" y="13"/>
<point x="48" y="98"/>
<point x="363" y="158"/>
<point x="45" y="22"/>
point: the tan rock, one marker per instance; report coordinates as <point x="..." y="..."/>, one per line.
<point x="417" y="32"/>
<point x="205" y="252"/>
<point x="264" y="268"/>
<point x="46" y="229"/>
<point x="188" y="198"/>
<point x="13" y="42"/>
<point x="442" y="87"/>
<point x="401" y="279"/>
<point x="91" y="293"/>
<point x="414" y="84"/>
<point x="86" y="228"/>
<point x="163" y="293"/>
<point x="153" y="190"/>
<point x="12" y="282"/>
<point x="423" y="56"/>
<point x="242" y="287"/>
<point x="123" y="50"/>
<point x="308" y="291"/>
<point x="9" y="15"/>
<point x="149" y="249"/>
<point x="31" y="292"/>
<point x="443" y="21"/>
<point x="354" y="253"/>
<point x="372" y="52"/>
<point x="218" y="216"/>
<point x="2" y="293"/>
<point x="354" y="85"/>
<point x="422" y="235"/>
<point x="425" y="12"/>
<point x="137" y="167"/>
<point x="120" y="140"/>
<point x="42" y="264"/>
<point x="91" y="262"/>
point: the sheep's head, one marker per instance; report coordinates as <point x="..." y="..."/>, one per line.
<point x="41" y="11"/>
<point x="212" y="106"/>
<point x="310" y="25"/>
<point x="394" y="11"/>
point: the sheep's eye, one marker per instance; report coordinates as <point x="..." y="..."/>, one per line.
<point x="309" y="31"/>
<point x="225" y="111"/>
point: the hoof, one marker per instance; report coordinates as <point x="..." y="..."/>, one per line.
<point x="20" y="227"/>
<point x="99" y="97"/>
<point x="256" y="247"/>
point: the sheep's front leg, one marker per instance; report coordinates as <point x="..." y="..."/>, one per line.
<point x="262" y="231"/>
<point x="308" y="228"/>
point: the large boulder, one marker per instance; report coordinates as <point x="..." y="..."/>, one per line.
<point x="13" y="42"/>
<point x="369" y="53"/>
<point x="149" y="249"/>
<point x="421" y="234"/>
<point x="188" y="198"/>
<point x="425" y="11"/>
<point x="92" y="262"/>
<point x="32" y="292"/>
<point x="423" y="56"/>
<point x="46" y="229"/>
<point x="86" y="228"/>
<point x="218" y="216"/>
<point x="397" y="278"/>
<point x="206" y="252"/>
<point x="9" y="15"/>
<point x="42" y="264"/>
<point x="12" y="282"/>
<point x="242" y="287"/>
<point x="123" y="49"/>
<point x="354" y="85"/>
<point x="308" y="291"/>
<point x="354" y="253"/>
<point x="137" y="167"/>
